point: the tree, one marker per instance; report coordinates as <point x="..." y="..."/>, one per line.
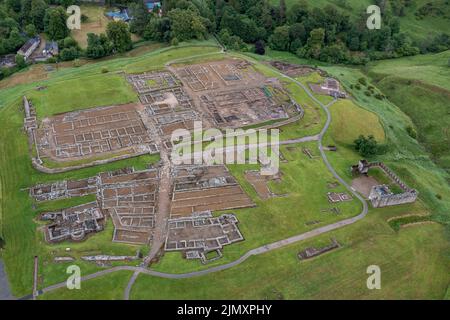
<point x="68" y="54"/>
<point x="98" y="46"/>
<point x="298" y="12"/>
<point x="230" y="41"/>
<point x="69" y="42"/>
<point x="279" y="40"/>
<point x="316" y="37"/>
<point x="297" y="31"/>
<point x="186" y="25"/>
<point x="20" y="61"/>
<point x="158" y="29"/>
<point x="141" y="18"/>
<point x="14" y="41"/>
<point x="174" y="42"/>
<point x="314" y="44"/>
<point x="297" y="36"/>
<point x="260" y="47"/>
<point x="55" y="23"/>
<point x="366" y="147"/>
<point x="2" y="243"/>
<point x="282" y="12"/>
<point x="119" y="35"/>
<point x="30" y="30"/>
<point x="242" y="26"/>
<point x="37" y="13"/>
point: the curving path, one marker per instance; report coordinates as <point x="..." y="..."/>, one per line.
<point x="265" y="248"/>
<point x="5" y="291"/>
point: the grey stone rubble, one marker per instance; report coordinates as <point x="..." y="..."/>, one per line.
<point x="107" y="258"/>
<point x="201" y="234"/>
<point x="312" y="252"/>
<point x="63" y="259"/>
<point x="128" y="196"/>
<point x="73" y="223"/>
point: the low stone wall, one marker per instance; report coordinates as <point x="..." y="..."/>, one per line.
<point x="38" y="166"/>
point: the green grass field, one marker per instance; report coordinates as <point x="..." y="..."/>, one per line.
<point x="303" y="197"/>
<point x="414" y="261"/>
<point x="74" y="94"/>
<point x="109" y="287"/>
<point x="67" y="89"/>
<point x="419" y="86"/>
<point x="416" y="168"/>
<point x="418" y="29"/>
<point x="17" y="215"/>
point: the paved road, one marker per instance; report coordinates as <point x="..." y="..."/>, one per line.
<point x="5" y="291"/>
<point x="265" y="248"/>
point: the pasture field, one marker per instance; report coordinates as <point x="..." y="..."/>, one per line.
<point x="418" y="29"/>
<point x="414" y="261"/>
<point x="302" y="197"/>
<point x="17" y="211"/>
<point x="79" y="93"/>
<point x="419" y="86"/>
<point x="17" y="224"/>
<point x="108" y="287"/>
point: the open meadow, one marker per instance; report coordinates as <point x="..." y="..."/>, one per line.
<point x="414" y="260"/>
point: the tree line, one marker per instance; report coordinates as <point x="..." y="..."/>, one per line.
<point x="24" y="19"/>
<point x="326" y="34"/>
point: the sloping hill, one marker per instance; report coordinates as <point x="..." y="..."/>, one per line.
<point x="436" y="21"/>
<point x="420" y="87"/>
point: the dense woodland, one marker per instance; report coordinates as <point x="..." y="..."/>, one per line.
<point x="327" y="34"/>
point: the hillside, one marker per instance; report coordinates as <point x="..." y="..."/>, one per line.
<point x="420" y="87"/>
<point x="417" y="28"/>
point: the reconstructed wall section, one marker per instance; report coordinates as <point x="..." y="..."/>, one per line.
<point x="381" y="195"/>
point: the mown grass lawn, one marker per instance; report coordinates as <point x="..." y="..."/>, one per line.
<point x="413" y="262"/>
<point x="409" y="257"/>
<point x="108" y="287"/>
<point x="17" y="215"/>
<point x="431" y="69"/>
<point x="303" y="199"/>
<point x="419" y="86"/>
<point x="80" y="93"/>
<point x="416" y="28"/>
<point x="413" y="265"/>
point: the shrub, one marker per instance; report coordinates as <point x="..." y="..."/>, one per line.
<point x="174" y="42"/>
<point x="363" y="81"/>
<point x="105" y="70"/>
<point x="76" y="63"/>
<point x="260" y="47"/>
<point x="368" y="93"/>
<point x="366" y="146"/>
<point x="357" y="86"/>
<point x="84" y="18"/>
<point x="411" y="132"/>
<point x="379" y="96"/>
